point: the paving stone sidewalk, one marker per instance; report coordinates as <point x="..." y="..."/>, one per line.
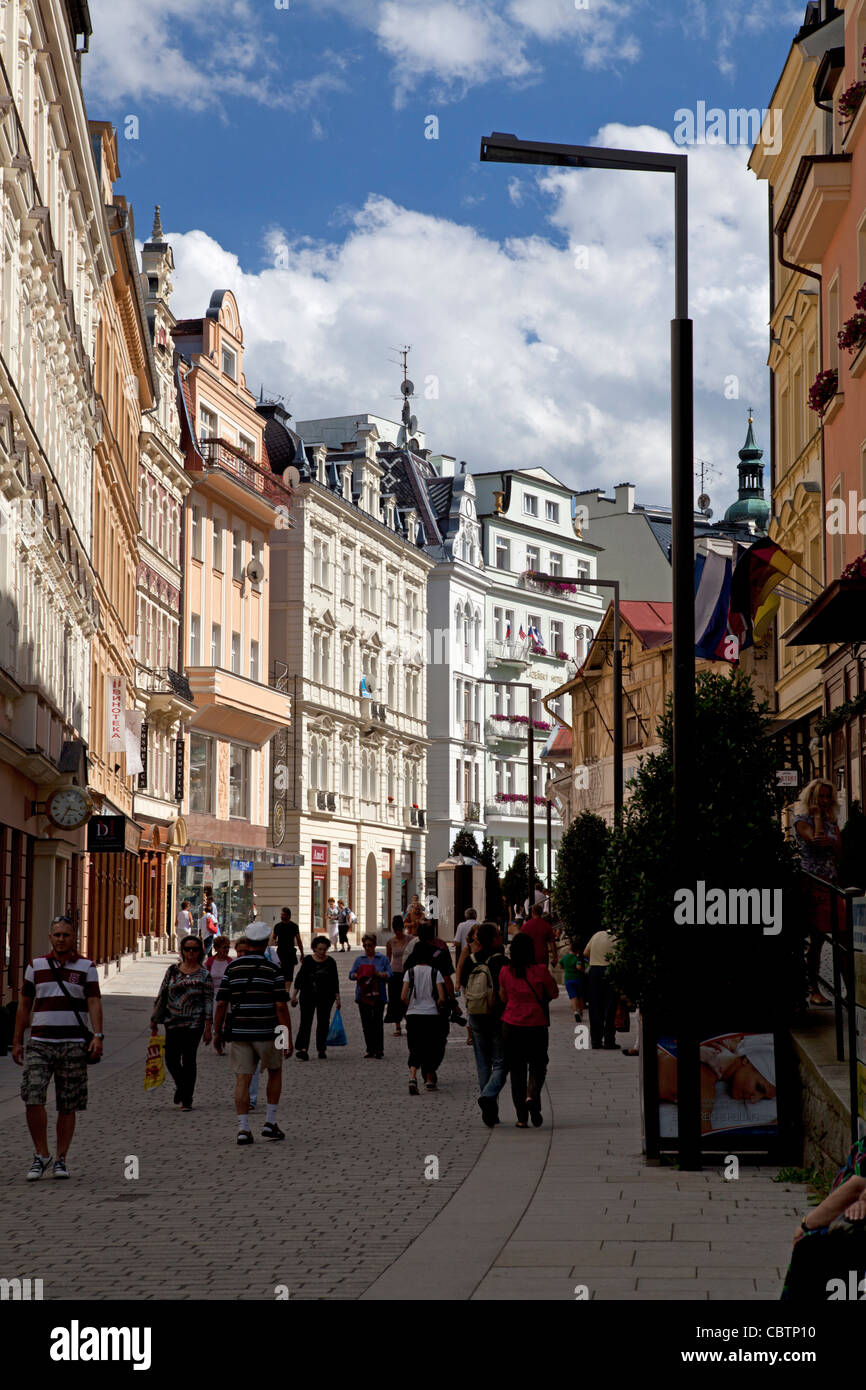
<point x="342" y="1209"/>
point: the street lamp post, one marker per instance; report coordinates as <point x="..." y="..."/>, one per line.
<point x="507" y="149"/>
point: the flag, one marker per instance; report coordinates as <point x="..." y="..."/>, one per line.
<point x="521" y="634"/>
<point x="712" y="602"/>
<point x="535" y="635"/>
<point x="759" y="568"/>
<point x="133" y="719"/>
<point x="508" y="632"/>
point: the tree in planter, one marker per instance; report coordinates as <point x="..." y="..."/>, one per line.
<point x="515" y="881"/>
<point x="577" y="884"/>
<point x="466" y="844"/>
<point x="492" y="883"/>
<point x="737" y="973"/>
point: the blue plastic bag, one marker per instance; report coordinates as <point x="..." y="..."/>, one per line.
<point x="337" y="1032"/>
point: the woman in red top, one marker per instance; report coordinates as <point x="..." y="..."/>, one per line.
<point x="526" y="989"/>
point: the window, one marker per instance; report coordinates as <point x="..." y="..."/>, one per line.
<point x="347" y="668"/>
<point x="194" y="639"/>
<point x="314" y="762"/>
<point x="346" y="590"/>
<point x="326" y="658"/>
<point x="247" y="445"/>
<point x="236" y="653"/>
<point x="345" y="771"/>
<point x="196" y="531"/>
<point x="208" y="424"/>
<point x="551" y="511"/>
<point x="239" y="781"/>
<point x="254" y="661"/>
<point x="631" y="710"/>
<point x="230" y="364"/>
<point x="216" y="645"/>
<point x="217" y="554"/>
<point x="237" y="553"/>
<point x="503" y="554"/>
<point x="200" y="774"/>
<point x="391" y="688"/>
<point x="530" y="504"/>
<point x="325" y="575"/>
<point x="456" y="780"/>
<point x="534" y="628"/>
<point x="259" y="557"/>
<point x="389" y="779"/>
<point x="833" y="323"/>
<point x="555" y="564"/>
<point x="392" y="603"/>
<point x="583" y="569"/>
<point x="532" y="554"/>
<point x="324" y="778"/>
<point x="556" y="639"/>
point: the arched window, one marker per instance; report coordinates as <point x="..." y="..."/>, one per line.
<point x="476" y="631"/>
<point x="414" y="785"/>
<point x="324" y="779"/>
<point x="389" y="776"/>
<point x="314" y="762"/>
<point x="345" y="783"/>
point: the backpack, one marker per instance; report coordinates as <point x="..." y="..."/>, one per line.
<point x="480" y="989"/>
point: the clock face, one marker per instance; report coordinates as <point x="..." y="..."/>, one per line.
<point x="68" y="807"/>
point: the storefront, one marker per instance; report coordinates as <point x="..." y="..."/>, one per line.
<point x="114" y="883"/>
<point x="229" y="880"/>
<point x="319" y="887"/>
<point x="345" y="876"/>
<point x="385" y="886"/>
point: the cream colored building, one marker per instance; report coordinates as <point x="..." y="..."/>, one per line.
<point x="348" y="616"/>
<point x="56" y="257"/>
<point x="807" y="135"/>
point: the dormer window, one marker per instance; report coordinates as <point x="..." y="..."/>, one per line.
<point x="530" y="504"/>
<point x="230" y="363"/>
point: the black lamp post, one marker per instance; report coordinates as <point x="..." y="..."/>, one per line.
<point x="507" y="149"/>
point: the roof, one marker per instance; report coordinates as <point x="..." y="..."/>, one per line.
<point x="561" y="746"/>
<point x="440" y="490"/>
<point x="652" y="621"/>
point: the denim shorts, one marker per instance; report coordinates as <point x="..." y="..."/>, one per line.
<point x="67" y="1063"/>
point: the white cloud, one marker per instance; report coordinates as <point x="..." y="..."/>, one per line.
<point x="538" y="361"/>
<point x="461" y="44"/>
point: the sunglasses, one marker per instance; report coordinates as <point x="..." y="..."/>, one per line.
<point x="197" y="949"/>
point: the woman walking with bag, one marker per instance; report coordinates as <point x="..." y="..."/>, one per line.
<point x="370" y="972"/>
<point x="425" y="997"/>
<point x="185" y="1005"/>
<point x="317" y="984"/>
<point x="395" y="949"/>
<point x="526" y="989"/>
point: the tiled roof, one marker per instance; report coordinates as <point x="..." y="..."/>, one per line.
<point x="562" y="744"/>
<point x="652" y="621"/>
<point x="440" y="490"/>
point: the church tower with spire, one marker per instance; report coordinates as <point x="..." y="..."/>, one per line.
<point x="751" y="505"/>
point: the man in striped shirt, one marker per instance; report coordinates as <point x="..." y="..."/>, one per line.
<point x="58" y="990"/>
<point x="255" y="990"/>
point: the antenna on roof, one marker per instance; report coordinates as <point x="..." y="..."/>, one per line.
<point x="707" y="470"/>
<point x="409" y="428"/>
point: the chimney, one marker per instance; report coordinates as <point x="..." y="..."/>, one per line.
<point x="624" y="494"/>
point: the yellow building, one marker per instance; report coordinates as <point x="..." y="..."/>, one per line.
<point x="795" y="358"/>
<point x="125" y="383"/>
<point x="234" y="504"/>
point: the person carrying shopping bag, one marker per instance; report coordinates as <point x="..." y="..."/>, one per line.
<point x="185" y="1005"/>
<point x="317" y="986"/>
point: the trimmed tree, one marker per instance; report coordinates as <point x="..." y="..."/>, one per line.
<point x="466" y="844"/>
<point x="577" y="883"/>
<point x="736" y="973"/>
<point x="515" y="881"/>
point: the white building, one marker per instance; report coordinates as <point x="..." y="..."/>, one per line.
<point x="348" y="614"/>
<point x="56" y="255"/>
<point x="539" y="625"/>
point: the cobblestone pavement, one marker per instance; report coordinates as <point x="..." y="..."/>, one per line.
<point x="342" y="1209"/>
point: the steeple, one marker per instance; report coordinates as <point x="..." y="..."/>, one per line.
<point x="751" y="505"/>
<point x="156" y="234"/>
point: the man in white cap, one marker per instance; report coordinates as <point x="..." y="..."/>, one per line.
<point x="256" y="990"/>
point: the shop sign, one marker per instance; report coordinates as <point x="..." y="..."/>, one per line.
<point x="190" y="860"/>
<point x="112" y="835"/>
<point x="178" y="770"/>
<point x="115" y="695"/>
<point x="319" y="854"/>
<point x="344" y="857"/>
<point x="787" y="777"/>
<point x="243" y="866"/>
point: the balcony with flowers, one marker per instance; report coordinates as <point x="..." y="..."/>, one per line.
<point x="552" y="584"/>
<point x="852" y="335"/>
<point x="508" y="652"/>
<point x="517" y="804"/>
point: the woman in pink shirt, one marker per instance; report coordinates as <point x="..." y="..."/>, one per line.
<point x="526" y="990"/>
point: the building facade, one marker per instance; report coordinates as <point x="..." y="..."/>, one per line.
<point x="233" y="506"/>
<point x="539" y="623"/>
<point x="163" y="695"/>
<point x="807" y="153"/>
<point x="348" y="623"/>
<point x="56" y="256"/>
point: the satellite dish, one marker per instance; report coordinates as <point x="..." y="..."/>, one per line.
<point x="292" y="476"/>
<point x="703" y="502"/>
<point x="413" y="424"/>
<point x="414" y="446"/>
<point x="407" y="387"/>
<point x="255" y="571"/>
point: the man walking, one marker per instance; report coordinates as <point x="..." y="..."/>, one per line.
<point x="602" y="995"/>
<point x="57" y="990"/>
<point x="256" y="991"/>
<point x="287" y="939"/>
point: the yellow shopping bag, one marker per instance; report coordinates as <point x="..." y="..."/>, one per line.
<point x="154" y="1067"/>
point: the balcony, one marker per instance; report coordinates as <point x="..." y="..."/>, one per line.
<point x="518" y="806"/>
<point x="554" y="585"/>
<point x="414" y="816"/>
<point x="324" y="803"/>
<point x="472" y="811"/>
<point x="220" y="454"/>
<point x="471" y="731"/>
<point x="505" y="729"/>
<point x="166" y="694"/>
<point x="233" y="707"/>
<point x="820" y="194"/>
<point x="507" y="652"/>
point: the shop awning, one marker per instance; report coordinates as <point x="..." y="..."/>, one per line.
<point x="838" y="615"/>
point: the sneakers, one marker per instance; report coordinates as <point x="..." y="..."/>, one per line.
<point x="272" y="1131"/>
<point x="413" y="1087"/>
<point x="60" y="1169"/>
<point x="245" y="1136"/>
<point x="39" y="1166"/>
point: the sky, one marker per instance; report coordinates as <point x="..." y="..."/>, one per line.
<point x="320" y="159"/>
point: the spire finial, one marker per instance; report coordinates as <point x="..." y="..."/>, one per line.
<point x="156" y="234"/>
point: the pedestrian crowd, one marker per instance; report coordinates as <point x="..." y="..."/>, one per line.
<point x="242" y="1005"/>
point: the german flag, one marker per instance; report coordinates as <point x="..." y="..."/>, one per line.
<point x="759" y="568"/>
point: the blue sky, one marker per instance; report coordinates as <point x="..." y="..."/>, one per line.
<point x="287" y="149"/>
